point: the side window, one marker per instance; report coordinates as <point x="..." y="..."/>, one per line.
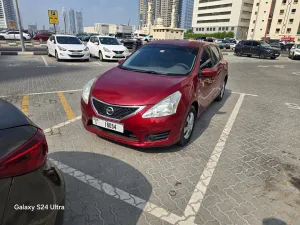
<point x="216" y="52"/>
<point x="92" y="39"/>
<point x="248" y="43"/>
<point x="205" y="60"/>
<point x="255" y="44"/>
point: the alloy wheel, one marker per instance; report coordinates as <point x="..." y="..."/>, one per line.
<point x="189" y="125"/>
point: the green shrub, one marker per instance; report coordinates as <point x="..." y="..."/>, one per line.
<point x="220" y="35"/>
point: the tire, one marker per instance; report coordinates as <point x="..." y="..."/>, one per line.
<point x="86" y="60"/>
<point x="272" y="57"/>
<point x="222" y="91"/>
<point x="2" y="38"/>
<point x="293" y="56"/>
<point x="249" y="55"/>
<point x="188" y="127"/>
<point x="239" y="53"/>
<point x="57" y="57"/>
<point x="100" y="56"/>
<point x="262" y="55"/>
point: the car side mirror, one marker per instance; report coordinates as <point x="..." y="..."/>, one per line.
<point x="208" y="72"/>
<point x="121" y="61"/>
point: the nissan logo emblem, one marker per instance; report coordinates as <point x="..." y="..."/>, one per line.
<point x="110" y="111"/>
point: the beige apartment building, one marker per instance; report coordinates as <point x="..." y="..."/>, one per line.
<point x="275" y="19"/>
<point x="210" y="16"/>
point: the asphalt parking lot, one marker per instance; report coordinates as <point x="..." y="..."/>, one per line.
<point x="241" y="167"/>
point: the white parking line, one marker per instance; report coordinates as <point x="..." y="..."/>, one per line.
<point x="45" y="61"/>
<point x="120" y="194"/>
<point x="240" y="93"/>
<point x="48" y="130"/>
<point x="42" y="93"/>
<point x="199" y="192"/>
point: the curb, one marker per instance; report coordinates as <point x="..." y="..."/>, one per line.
<point x="23" y="53"/>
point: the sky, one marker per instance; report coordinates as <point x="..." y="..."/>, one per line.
<point x="94" y="11"/>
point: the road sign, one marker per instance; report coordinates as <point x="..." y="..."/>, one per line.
<point x="53" y="16"/>
<point x="12" y="24"/>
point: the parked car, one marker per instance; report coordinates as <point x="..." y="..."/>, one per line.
<point x="257" y="48"/>
<point x="154" y="96"/>
<point x="107" y="48"/>
<point x="42" y="36"/>
<point x="14" y="35"/>
<point x="84" y="37"/>
<point x="223" y="44"/>
<point x="64" y="47"/>
<point x="138" y="35"/>
<point x="27" y="178"/>
<point x="294" y="52"/>
<point x="275" y="45"/>
<point x="287" y="46"/>
<point x="132" y="43"/>
<point x="148" y="38"/>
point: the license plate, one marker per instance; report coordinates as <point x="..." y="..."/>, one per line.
<point x="119" y="55"/>
<point x="76" y="53"/>
<point x="108" y="125"/>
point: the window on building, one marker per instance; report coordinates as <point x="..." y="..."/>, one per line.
<point x="288" y="30"/>
<point x="293" y="11"/>
<point x="232" y="28"/>
<point x="207" y="29"/>
<point x="283" y="2"/>
<point x="214" y="29"/>
<point x="257" y="4"/>
<point x="223" y="28"/>
<point x="202" y="29"/>
<point x="295" y="1"/>
<point x="265" y="11"/>
<point x="291" y="21"/>
<point x="255" y="13"/>
<point x="279" y="21"/>
<point x="252" y="30"/>
<point x="263" y="21"/>
<point x="277" y="30"/>
<point x="226" y="28"/>
<point x="220" y="28"/>
<point x="253" y="21"/>
<point x="281" y="12"/>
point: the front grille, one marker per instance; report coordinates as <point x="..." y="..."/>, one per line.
<point x="76" y="56"/>
<point x="113" y="111"/>
<point x="127" y="134"/>
<point x="118" y="52"/>
<point x="75" y="50"/>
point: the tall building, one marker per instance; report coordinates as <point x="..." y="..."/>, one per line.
<point x="275" y="19"/>
<point x="65" y="18"/>
<point x="72" y="21"/>
<point x="211" y="16"/>
<point x="7" y="13"/>
<point x="79" y="22"/>
<point x="160" y="9"/>
<point x="188" y="17"/>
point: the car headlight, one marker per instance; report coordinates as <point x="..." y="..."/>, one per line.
<point x="166" y="107"/>
<point x="86" y="91"/>
<point x="61" y="48"/>
<point x="86" y="49"/>
<point x="106" y="49"/>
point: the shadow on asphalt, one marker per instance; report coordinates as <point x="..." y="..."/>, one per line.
<point x="273" y="221"/>
<point x="200" y="126"/>
<point x="87" y="200"/>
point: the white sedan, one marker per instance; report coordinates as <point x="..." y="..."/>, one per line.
<point x="107" y="48"/>
<point x="14" y="35"/>
<point x="67" y="47"/>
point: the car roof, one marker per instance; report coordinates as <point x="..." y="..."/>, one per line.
<point x="187" y="43"/>
<point x="64" y="35"/>
<point x="100" y="36"/>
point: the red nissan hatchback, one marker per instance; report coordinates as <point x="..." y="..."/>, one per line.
<point x="154" y="97"/>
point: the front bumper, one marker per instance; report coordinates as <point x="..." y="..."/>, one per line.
<point x="137" y="130"/>
<point x="273" y="54"/>
<point x="114" y="56"/>
<point x="71" y="55"/>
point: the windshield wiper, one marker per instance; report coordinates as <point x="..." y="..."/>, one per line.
<point x="143" y="71"/>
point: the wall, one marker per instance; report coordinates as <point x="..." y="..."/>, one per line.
<point x="167" y="34"/>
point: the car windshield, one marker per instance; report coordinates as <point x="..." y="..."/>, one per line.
<point x="68" y="40"/>
<point x="162" y="59"/>
<point x="109" y="41"/>
<point x="264" y="44"/>
<point x="297" y="46"/>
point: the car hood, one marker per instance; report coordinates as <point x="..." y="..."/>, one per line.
<point x="123" y="87"/>
<point x="115" y="47"/>
<point x="72" y="47"/>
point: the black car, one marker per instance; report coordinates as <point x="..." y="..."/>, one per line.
<point x="27" y="178"/>
<point x="257" y="48"/>
<point x="132" y="43"/>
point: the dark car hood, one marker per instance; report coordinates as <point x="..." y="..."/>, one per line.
<point x="11" y="116"/>
<point x="123" y="87"/>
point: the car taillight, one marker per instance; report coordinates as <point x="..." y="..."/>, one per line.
<point x="28" y="157"/>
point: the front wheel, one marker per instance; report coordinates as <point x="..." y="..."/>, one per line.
<point x="272" y="57"/>
<point x="188" y="127"/>
<point x="239" y="53"/>
<point x="100" y="56"/>
<point x="262" y="55"/>
<point x="57" y="57"/>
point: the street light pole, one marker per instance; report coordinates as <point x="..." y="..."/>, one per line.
<point x="20" y="25"/>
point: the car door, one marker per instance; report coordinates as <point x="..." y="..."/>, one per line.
<point x="10" y="35"/>
<point x="220" y="65"/>
<point x="255" y="48"/>
<point x="247" y="45"/>
<point x="205" y="91"/>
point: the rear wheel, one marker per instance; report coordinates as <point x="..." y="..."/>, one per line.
<point x="262" y="55"/>
<point x="239" y="53"/>
<point x="222" y="91"/>
<point x="188" y="127"/>
<point x="100" y="56"/>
